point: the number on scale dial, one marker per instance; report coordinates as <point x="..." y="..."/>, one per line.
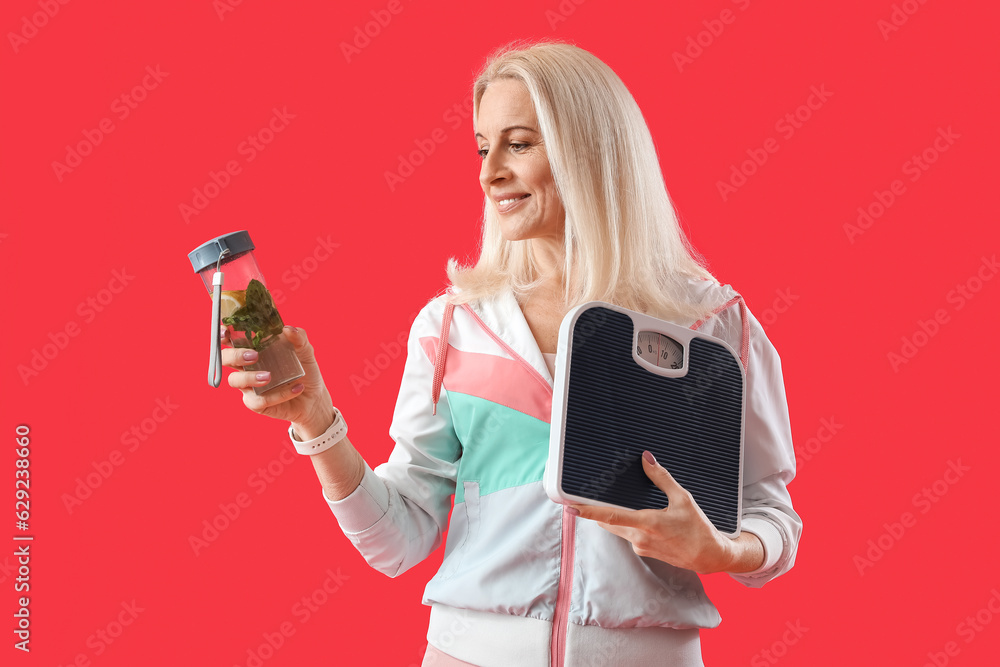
<point x="660" y="350"/>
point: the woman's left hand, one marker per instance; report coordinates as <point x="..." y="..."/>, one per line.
<point x="680" y="534"/>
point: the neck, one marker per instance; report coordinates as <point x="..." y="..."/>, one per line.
<point x="548" y="256"/>
<point x="551" y="288"/>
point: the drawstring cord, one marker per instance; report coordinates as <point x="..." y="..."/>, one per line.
<point x="442" y="353"/>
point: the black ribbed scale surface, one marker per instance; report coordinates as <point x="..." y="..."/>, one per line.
<point x="616" y="409"/>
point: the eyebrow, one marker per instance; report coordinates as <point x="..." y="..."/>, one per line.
<point x="508" y="129"/>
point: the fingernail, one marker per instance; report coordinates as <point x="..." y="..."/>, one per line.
<point x="572" y="511"/>
<point x="298" y="388"/>
<point x="292" y="329"/>
<point x="250" y="355"/>
<point x="263" y="377"/>
<point x="650" y="459"/>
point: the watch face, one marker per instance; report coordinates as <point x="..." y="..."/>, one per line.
<point x="660" y="350"/>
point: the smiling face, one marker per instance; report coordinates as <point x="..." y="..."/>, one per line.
<point x="515" y="173"/>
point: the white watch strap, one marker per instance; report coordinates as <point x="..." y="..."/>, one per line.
<point x="333" y="435"/>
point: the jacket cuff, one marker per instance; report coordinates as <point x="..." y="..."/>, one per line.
<point x="364" y="507"/>
<point x="771" y="538"/>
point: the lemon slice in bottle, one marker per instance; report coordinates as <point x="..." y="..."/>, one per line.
<point x="232" y="300"/>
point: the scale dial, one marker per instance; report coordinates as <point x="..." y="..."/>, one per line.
<point x="660" y="350"/>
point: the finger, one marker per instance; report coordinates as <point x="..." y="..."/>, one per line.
<point x="272" y="397"/>
<point x="624" y="532"/>
<point x="663" y="480"/>
<point x="304" y="350"/>
<point x="238" y="357"/>
<point x="300" y="341"/>
<point x="249" y="379"/>
<point x="611" y="516"/>
<point x="296" y="335"/>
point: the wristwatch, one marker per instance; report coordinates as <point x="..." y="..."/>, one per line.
<point x="332" y="435"/>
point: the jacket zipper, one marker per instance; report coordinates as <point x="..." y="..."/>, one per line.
<point x="560" y="620"/>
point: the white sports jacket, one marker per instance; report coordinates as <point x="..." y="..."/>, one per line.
<point x="522" y="582"/>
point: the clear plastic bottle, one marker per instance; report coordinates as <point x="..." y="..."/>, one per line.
<point x="255" y="325"/>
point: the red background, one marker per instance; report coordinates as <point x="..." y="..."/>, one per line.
<point x="782" y="232"/>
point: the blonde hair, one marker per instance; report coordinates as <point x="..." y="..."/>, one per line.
<point x="621" y="232"/>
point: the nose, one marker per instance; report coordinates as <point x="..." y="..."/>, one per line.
<point x="494" y="168"/>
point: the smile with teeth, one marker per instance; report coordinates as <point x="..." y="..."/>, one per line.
<point x="504" y="202"/>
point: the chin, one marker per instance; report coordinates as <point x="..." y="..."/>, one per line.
<point x="514" y="234"/>
<point x="518" y="230"/>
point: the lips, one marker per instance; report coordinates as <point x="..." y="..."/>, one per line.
<point x="507" y="202"/>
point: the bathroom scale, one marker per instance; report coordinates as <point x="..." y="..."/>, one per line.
<point x="626" y="382"/>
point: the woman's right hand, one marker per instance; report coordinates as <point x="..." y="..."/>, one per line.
<point x="305" y="402"/>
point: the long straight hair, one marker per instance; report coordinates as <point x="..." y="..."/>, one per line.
<point x="621" y="234"/>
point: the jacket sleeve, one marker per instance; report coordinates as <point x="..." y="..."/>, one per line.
<point x="768" y="462"/>
<point x="397" y="515"/>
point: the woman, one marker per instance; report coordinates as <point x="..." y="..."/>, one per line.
<point x="575" y="210"/>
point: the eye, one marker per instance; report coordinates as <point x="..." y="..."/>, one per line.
<point x="516" y="146"/>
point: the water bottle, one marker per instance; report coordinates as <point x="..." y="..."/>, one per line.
<point x="242" y="302"/>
